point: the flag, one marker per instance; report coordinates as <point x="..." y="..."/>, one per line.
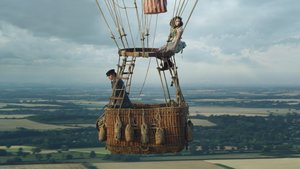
<point x="155" y="6"/>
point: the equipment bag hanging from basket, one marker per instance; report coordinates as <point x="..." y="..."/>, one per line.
<point x="155" y="6"/>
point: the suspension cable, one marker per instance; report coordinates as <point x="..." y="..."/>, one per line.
<point x="110" y="10"/>
<point x="118" y="22"/>
<point x="138" y="19"/>
<point x="183" y="8"/>
<point x="123" y="33"/>
<point x="154" y="37"/>
<point x="195" y="4"/>
<point x="162" y="83"/>
<point x="180" y="7"/>
<point x="149" y="63"/>
<point x="130" y="31"/>
<point x="174" y="8"/>
<point x="105" y="20"/>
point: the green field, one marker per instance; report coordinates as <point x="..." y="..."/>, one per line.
<point x="16" y="148"/>
<point x="14" y="116"/>
<point x="36" y="105"/>
<point x="14" y="124"/>
<point x="275" y="163"/>
<point x="98" y="150"/>
<point x="207" y="111"/>
<point x="84" y="102"/>
<point x="202" y="122"/>
<point x="2" y="105"/>
<point x="33" y="105"/>
<point x="197" y="164"/>
<point x="45" y="166"/>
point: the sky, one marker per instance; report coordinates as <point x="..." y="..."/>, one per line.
<point x="229" y="42"/>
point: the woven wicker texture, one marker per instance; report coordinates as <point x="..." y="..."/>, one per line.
<point x="172" y="120"/>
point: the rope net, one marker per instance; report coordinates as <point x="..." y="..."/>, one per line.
<point x="136" y="25"/>
<point x="133" y="23"/>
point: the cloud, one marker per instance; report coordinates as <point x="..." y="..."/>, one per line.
<point x="235" y="24"/>
<point x="228" y="42"/>
<point x="276" y="65"/>
<point x="24" y="56"/>
<point x="23" y="47"/>
<point x="74" y="20"/>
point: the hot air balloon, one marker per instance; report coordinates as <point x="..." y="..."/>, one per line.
<point x="143" y="128"/>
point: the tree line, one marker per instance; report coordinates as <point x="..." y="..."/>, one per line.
<point x="248" y="134"/>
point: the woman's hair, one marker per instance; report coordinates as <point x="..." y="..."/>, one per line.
<point x="172" y="22"/>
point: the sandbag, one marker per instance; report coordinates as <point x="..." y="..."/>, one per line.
<point x="117" y="128"/>
<point x="129" y="133"/>
<point x="102" y="133"/>
<point x="144" y="133"/>
<point x="159" y="136"/>
<point x="190" y="127"/>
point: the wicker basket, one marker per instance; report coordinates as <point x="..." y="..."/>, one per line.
<point x="172" y="120"/>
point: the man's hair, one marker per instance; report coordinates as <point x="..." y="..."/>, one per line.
<point x="111" y="72"/>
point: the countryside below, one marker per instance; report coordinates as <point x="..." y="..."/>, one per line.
<point x="234" y="127"/>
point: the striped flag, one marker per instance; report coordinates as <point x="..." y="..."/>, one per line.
<point x="155" y="6"/>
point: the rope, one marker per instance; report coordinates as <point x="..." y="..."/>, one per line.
<point x="139" y="24"/>
<point x="143" y="117"/>
<point x="110" y="10"/>
<point x="118" y="13"/>
<point x="105" y="20"/>
<point x="129" y="117"/>
<point x="144" y="21"/>
<point x="158" y="118"/>
<point x="149" y="63"/>
<point x="146" y="76"/>
<point x="183" y="9"/>
<point x="155" y="30"/>
<point x="174" y="8"/>
<point x="161" y="81"/>
<point x="166" y="83"/>
<point x="179" y="93"/>
<point x="190" y="14"/>
<point x="118" y="23"/>
<point x="147" y="27"/>
<point x="124" y="35"/>
<point x="130" y="31"/>
<point x="180" y="11"/>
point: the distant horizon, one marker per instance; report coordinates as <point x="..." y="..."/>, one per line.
<point x="151" y="86"/>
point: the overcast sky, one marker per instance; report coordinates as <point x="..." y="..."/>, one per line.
<point x="229" y="42"/>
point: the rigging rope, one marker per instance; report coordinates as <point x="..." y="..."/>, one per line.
<point x="149" y="63"/>
<point x="119" y="12"/>
<point x="105" y="20"/>
<point x="130" y="31"/>
<point x="123" y="34"/>
<point x="139" y="24"/>
<point x="179" y="8"/>
<point x="183" y="9"/>
<point x="195" y="4"/>
<point x="129" y="27"/>
<point x="118" y="23"/>
<point x="162" y="83"/>
<point x="174" y="8"/>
